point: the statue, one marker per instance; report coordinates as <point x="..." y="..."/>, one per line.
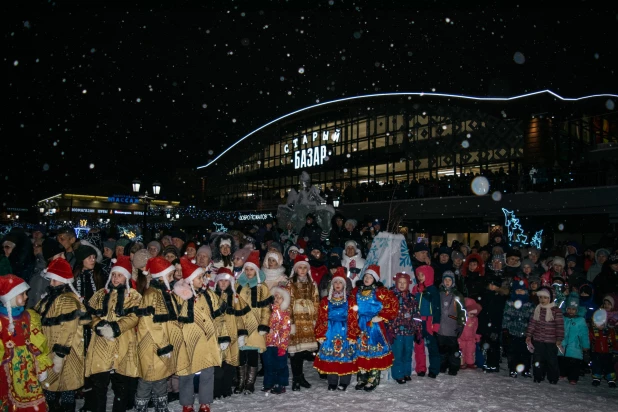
<point x="299" y="204"/>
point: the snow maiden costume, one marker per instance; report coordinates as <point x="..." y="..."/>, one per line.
<point x="63" y="316"/>
<point x="337" y="330"/>
<point x="304" y="301"/>
<point x="376" y="305"/>
<point x="112" y="353"/>
<point x="24" y="354"/>
<point x="200" y="316"/>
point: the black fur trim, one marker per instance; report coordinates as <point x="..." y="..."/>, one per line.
<point x="67" y="317"/>
<point x="165" y="350"/>
<point x="52" y="293"/>
<point x="266" y="302"/>
<point x="170" y="305"/>
<point x="147" y="311"/>
<point x="223" y="339"/>
<point x="115" y="328"/>
<point x="215" y="313"/>
<point x="243" y="332"/>
<point x="60" y="350"/>
<point x="190" y="318"/>
<point x="99" y="325"/>
<point x="263" y="328"/>
<point x="231" y="311"/>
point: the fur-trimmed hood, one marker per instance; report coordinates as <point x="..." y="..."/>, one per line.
<point x="216" y="254"/>
<point x="284" y="293"/>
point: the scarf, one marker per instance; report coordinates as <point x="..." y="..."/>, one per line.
<point x="549" y="316"/>
<point x="15" y="311"/>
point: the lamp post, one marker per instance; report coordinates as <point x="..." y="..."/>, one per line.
<point x="336" y="203"/>
<point x="156" y="190"/>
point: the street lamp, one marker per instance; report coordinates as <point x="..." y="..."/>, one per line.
<point x="156" y="190"/>
<point x="168" y="215"/>
<point x="136" y="185"/>
<point x="42" y="210"/>
<point x="336" y="203"/>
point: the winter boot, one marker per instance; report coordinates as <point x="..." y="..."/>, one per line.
<point x="303" y="382"/>
<point x="250" y="385"/>
<point x="420" y="374"/>
<point x="241" y="373"/>
<point x="295" y="384"/>
<point x="161" y="404"/>
<point x="342" y="387"/>
<point x="596" y="382"/>
<point x="188" y="409"/>
<point x="141" y="404"/>
<point x="612" y="384"/>
<point x="278" y="390"/>
<point x="332" y="387"/>
<point x="361" y="380"/>
<point x="204" y="408"/>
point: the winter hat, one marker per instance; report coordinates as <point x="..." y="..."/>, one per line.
<point x="513" y="252"/>
<point x="610" y="299"/>
<point x="339" y="276"/>
<point x="558" y="261"/>
<point x="111" y="245"/>
<point x="190" y="244"/>
<point x="352" y="243"/>
<point x="448" y="274"/>
<point x="51" y="247"/>
<point x="301" y="260"/>
<point x="9" y="240"/>
<point x="284" y="294"/>
<point x="472" y="306"/>
<point x="158" y="267"/>
<point x="171" y="249"/>
<point x="242" y="252"/>
<point x="586" y="288"/>
<point x="351" y="221"/>
<point x="155" y="244"/>
<point x="519" y="285"/>
<point x="178" y="234"/>
<point x="420" y="247"/>
<point x="253" y="261"/>
<point x="10" y="287"/>
<point x="545" y="291"/>
<point x="122" y="265"/>
<point x="572" y="301"/>
<point x="83" y="252"/>
<point x="534" y="278"/>
<point x="599" y="318"/>
<point x="277" y="246"/>
<point x="571" y="258"/>
<point x="274" y="255"/>
<point x="122" y="242"/>
<point x="61" y="271"/>
<point x="527" y="262"/>
<point x="205" y="249"/>
<point x="373" y="270"/>
<point x="224" y="273"/>
<point x="190" y="271"/>
<point x="293" y="248"/>
<point x="140" y="258"/>
<point x="403" y="275"/>
<point x="334" y="262"/>
<point x="445" y="250"/>
<point x="457" y="255"/>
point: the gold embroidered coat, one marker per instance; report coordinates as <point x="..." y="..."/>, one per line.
<point x="236" y="309"/>
<point x="63" y="316"/>
<point x="304" y="302"/>
<point x="117" y="309"/>
<point x="258" y="318"/>
<point x="159" y="335"/>
<point x="203" y="329"/>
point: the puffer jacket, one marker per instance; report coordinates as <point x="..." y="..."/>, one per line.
<point x="576" y="337"/>
<point x="408" y="320"/>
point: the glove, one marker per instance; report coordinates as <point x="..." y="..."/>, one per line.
<point x="58" y="362"/>
<point x="376" y="319"/>
<point x="241" y="341"/>
<point x="42" y="376"/>
<point x="167" y="355"/>
<point x="262" y="332"/>
<point x="280" y="352"/>
<point x="292" y="331"/>
<point x="224" y="345"/>
<point x="106" y="331"/>
<point x="435" y="328"/>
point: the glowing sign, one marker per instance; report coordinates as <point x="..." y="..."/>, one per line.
<point x="313" y="156"/>
<point x="79" y="209"/>
<point x="122" y="212"/>
<point x="315" y="136"/>
<point x="263" y="216"/>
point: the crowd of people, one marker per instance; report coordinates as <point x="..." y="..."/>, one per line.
<point x="192" y="319"/>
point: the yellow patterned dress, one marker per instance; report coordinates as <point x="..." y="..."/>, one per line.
<point x="23" y="356"/>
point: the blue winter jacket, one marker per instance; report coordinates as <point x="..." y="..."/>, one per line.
<point x="429" y="303"/>
<point x="575" y="337"/>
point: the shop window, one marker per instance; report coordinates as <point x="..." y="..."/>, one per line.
<point x="483" y="239"/>
<point x="379" y="142"/>
<point x="361" y="145"/>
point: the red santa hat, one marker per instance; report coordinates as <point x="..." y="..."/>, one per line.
<point x="158" y="267"/>
<point x="190" y="271"/>
<point x="226" y="274"/>
<point x="301" y="260"/>
<point x="10" y="287"/>
<point x="253" y="261"/>
<point x="123" y="266"/>
<point x="339" y="276"/>
<point x="373" y="270"/>
<point x="61" y="271"/>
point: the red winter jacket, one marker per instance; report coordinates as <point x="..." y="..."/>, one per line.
<point x="602" y="340"/>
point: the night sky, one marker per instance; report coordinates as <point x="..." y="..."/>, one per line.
<point x="117" y="91"/>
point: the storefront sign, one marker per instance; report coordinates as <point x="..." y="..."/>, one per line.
<point x="138" y="213"/>
<point x="82" y="210"/>
<point x="123" y="199"/>
<point x="103" y="211"/>
<point x="313" y="156"/>
<point x="122" y="212"/>
<point x="263" y="216"/>
<point x="315" y="137"/>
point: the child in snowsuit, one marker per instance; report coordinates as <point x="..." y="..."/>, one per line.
<point x="23" y="348"/>
<point x="469" y="338"/>
<point x="544" y="336"/>
<point x="517" y="313"/>
<point x="404" y="328"/>
<point x="602" y="339"/>
<point x="428" y="298"/>
<point x="575" y="342"/>
<point x="490" y="322"/>
<point x="276" y="374"/>
<point x="452" y="322"/>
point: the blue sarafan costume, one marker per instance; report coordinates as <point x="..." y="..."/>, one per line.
<point x="337" y="329"/>
<point x="376" y="305"/>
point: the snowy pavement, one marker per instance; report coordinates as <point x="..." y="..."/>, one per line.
<point x="470" y="390"/>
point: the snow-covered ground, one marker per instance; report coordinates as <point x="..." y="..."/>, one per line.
<point x="470" y="390"/>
